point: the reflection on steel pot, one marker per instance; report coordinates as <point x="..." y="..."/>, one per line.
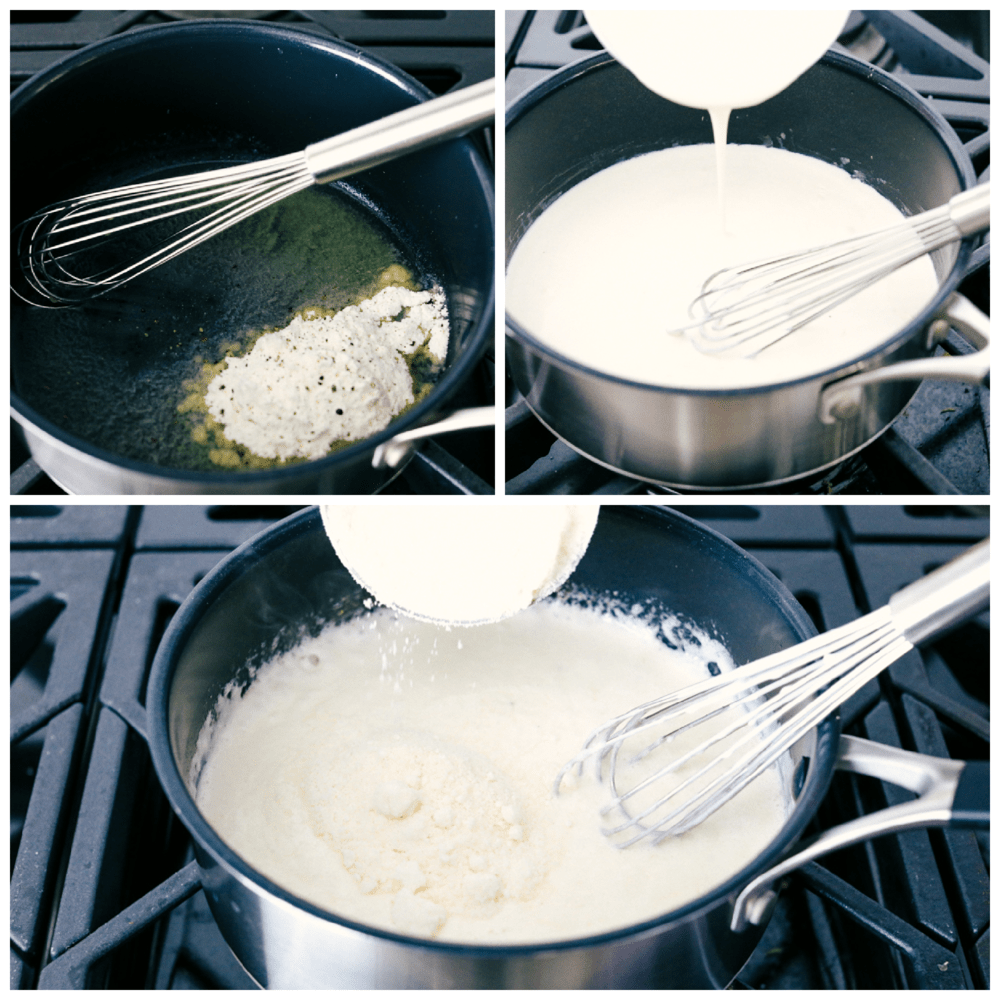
<point x="173" y="99"/>
<point x="840" y="110"/>
<point x="288" y="580"/>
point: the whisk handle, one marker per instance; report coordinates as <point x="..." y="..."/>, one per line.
<point x="970" y="210"/>
<point x="403" y="132"/>
<point x="944" y="597"/>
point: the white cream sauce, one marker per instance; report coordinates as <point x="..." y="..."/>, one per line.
<point x="399" y="775"/>
<point x="614" y="264"/>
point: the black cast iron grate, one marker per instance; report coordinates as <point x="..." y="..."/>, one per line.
<point x="442" y="49"/>
<point x="103" y="890"/>
<point x="940" y="443"/>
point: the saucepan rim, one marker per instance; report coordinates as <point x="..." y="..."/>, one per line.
<point x="231" y="567"/>
<point x="838" y="60"/>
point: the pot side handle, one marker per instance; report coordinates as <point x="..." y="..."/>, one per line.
<point x="842" y="399"/>
<point x="950" y="793"/>
<point x="390" y="453"/>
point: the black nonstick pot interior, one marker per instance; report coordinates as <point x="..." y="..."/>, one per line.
<point x="287" y="582"/>
<point x="107" y="376"/>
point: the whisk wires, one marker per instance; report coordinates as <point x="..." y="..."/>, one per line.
<point x="73" y="250"/>
<point x="758" y="713"/>
<point x="743" y="310"/>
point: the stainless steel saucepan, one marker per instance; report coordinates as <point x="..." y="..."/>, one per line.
<point x="593" y="114"/>
<point x="287" y="582"/>
<point x="96" y="387"/>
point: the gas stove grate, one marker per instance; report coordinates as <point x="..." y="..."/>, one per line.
<point x="104" y="893"/>
<point x="440" y="48"/>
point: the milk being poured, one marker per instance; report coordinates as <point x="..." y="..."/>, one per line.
<point x="717" y="60"/>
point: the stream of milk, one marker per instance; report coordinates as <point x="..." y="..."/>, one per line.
<point x="717" y="60"/>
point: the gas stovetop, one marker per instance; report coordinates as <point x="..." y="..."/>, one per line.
<point x="940" y="443"/>
<point x="442" y="49"/>
<point x="104" y="892"/>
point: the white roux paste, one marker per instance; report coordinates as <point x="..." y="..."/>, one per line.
<point x="461" y="565"/>
<point x="326" y="379"/>
<point x="614" y="264"/>
<point x="399" y="776"/>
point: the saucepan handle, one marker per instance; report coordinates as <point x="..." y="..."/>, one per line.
<point x="390" y="453"/>
<point x="949" y="793"/>
<point x="842" y="399"/>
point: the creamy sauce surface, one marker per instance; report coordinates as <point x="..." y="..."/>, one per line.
<point x="400" y="775"/>
<point x="615" y="263"/>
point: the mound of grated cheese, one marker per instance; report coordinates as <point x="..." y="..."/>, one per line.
<point x="324" y="379"/>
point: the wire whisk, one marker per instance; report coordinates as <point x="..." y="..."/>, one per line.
<point x="743" y="310"/>
<point x="79" y="248"/>
<point x="671" y="763"/>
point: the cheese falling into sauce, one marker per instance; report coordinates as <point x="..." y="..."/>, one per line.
<point x="399" y="776"/>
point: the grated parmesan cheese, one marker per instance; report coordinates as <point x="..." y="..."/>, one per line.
<point x="324" y="379"/>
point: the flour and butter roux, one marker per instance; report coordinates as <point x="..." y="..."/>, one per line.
<point x="324" y="379"/>
<point x="400" y="775"/>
